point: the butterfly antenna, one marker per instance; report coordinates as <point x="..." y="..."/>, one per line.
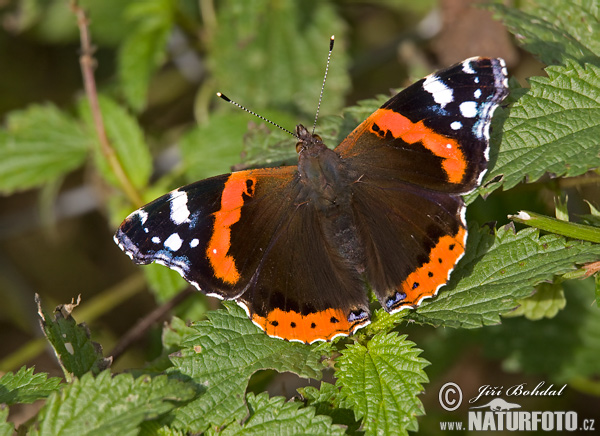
<point x="228" y="100"/>
<point x="331" y="40"/>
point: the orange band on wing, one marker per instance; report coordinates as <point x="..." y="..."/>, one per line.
<point x="232" y="200"/>
<point x="293" y="326"/>
<point x="399" y="126"/>
<point x="425" y="281"/>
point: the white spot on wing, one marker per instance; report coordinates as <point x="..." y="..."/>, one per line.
<point x="456" y="125"/>
<point x="179" y="211"/>
<point x="477" y="93"/>
<point x="173" y="242"/>
<point x="468" y="109"/>
<point x="155" y="239"/>
<point x="194" y="242"/>
<point x="467" y="68"/>
<point x="441" y="94"/>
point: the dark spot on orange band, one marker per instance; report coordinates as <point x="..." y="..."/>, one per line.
<point x="425" y="281"/>
<point x="323" y="325"/>
<point x="454" y="161"/>
<point x="238" y="185"/>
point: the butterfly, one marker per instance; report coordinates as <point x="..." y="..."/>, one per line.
<point x="298" y="247"/>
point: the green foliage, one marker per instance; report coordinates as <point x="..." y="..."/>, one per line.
<point x="221" y="354"/>
<point x="497" y="271"/>
<point x="514" y="283"/>
<point x="38" y="145"/>
<point x="66" y="337"/>
<point x="103" y="404"/>
<point x="25" y="386"/>
<point x="6" y="428"/>
<point x="380" y="382"/>
<point x="274" y="416"/>
<point x="551" y="129"/>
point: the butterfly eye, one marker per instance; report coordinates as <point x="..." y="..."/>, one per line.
<point x="318" y="138"/>
<point x="299" y="146"/>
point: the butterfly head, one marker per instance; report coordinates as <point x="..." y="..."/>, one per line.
<point x="308" y="142"/>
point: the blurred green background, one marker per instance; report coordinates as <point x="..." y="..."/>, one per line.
<point x="162" y="61"/>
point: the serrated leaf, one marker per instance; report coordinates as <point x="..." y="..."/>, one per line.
<point x="26" y="387"/>
<point x="6" y="428"/>
<point x="327" y="400"/>
<point x="106" y="405"/>
<point x="76" y="352"/>
<point x="497" y="271"/>
<point x="126" y="138"/>
<point x="531" y="347"/>
<point x="555" y="30"/>
<point x="381" y="381"/>
<point x="273" y="416"/>
<point x="39" y="145"/>
<point x="221" y="357"/>
<point x="553" y="128"/>
<point x="548" y="300"/>
<point x="259" y="41"/>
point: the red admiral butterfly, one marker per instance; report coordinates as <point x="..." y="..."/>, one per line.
<point x="295" y="246"/>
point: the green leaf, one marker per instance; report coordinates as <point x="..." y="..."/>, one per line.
<point x="547" y="301"/>
<point x="381" y="381"/>
<point x="76" y="352"/>
<point x="163" y="282"/>
<point x="496" y="272"/>
<point x="26" y="387"/>
<point x="327" y="400"/>
<point x="274" y="416"/>
<point x="558" y="31"/>
<point x="126" y="138"/>
<point x="6" y="428"/>
<point x="221" y="357"/>
<point x="211" y="149"/>
<point x="39" y="144"/>
<point x="531" y="347"/>
<point x="144" y="50"/>
<point x="259" y="41"/>
<point x="106" y="405"/>
<point x="552" y="128"/>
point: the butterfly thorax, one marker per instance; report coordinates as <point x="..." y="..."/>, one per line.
<point x="322" y="172"/>
<point x="326" y="181"/>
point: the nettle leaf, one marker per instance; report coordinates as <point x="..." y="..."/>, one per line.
<point x="221" y="357"/>
<point x="127" y="139"/>
<point x="105" y="405"/>
<point x="553" y="128"/>
<point x="275" y="416"/>
<point x="76" y="352"/>
<point x="497" y="271"/>
<point x="381" y="381"/>
<point x="327" y="400"/>
<point x="555" y="30"/>
<point x="548" y="300"/>
<point x="39" y="145"/>
<point x="532" y="347"/>
<point x="26" y="387"/>
<point x="259" y="41"/>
